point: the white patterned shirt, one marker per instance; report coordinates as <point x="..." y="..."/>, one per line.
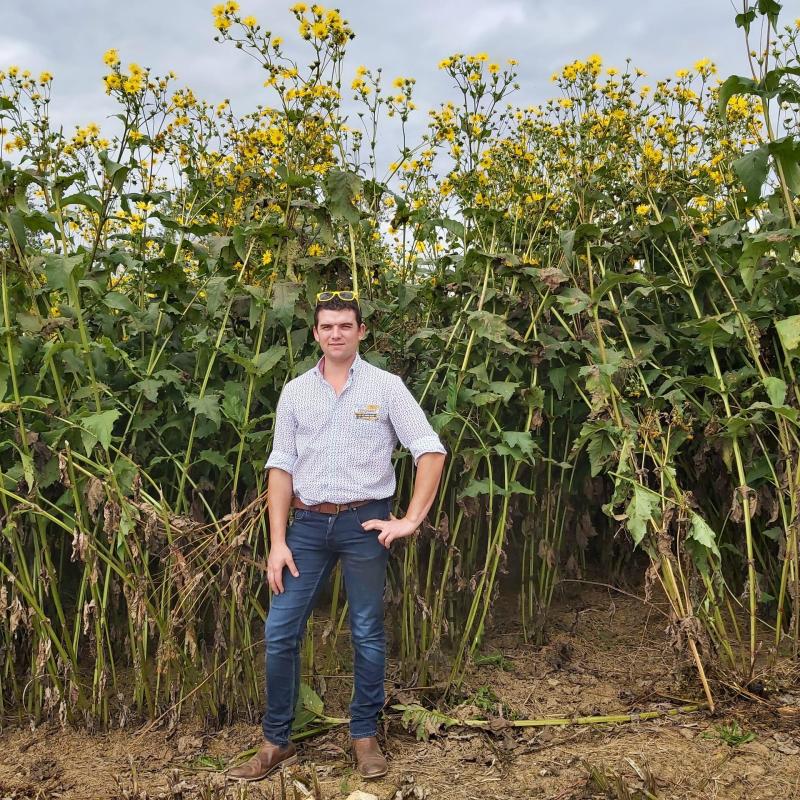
<point x="339" y="449"/>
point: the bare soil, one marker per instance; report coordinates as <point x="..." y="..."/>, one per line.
<point x="607" y="654"/>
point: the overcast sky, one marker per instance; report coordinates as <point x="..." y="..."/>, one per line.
<point x="409" y="37"/>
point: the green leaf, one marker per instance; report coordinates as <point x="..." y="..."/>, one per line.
<point x="308" y="708"/>
<point x="521" y="441"/>
<point x="215" y="293"/>
<point x="789" y="332"/>
<point x="293" y="179"/>
<point x="640" y="511"/>
<point x="284" y="298"/>
<point x="207" y="406"/>
<point x="573" y="300"/>
<point x="120" y="302"/>
<point x="213" y="457"/>
<point x="770" y="9"/>
<point x="483" y="486"/>
<point x="450" y="225"/>
<point x="505" y="389"/>
<point x="492" y="327"/>
<point x="81" y="199"/>
<point x="100" y="426"/>
<point x="149" y="388"/>
<point x="786" y="152"/>
<point x="264" y="362"/>
<point x="752" y="170"/>
<point x="735" y="84"/>
<point x="776" y="390"/>
<point x="15" y="222"/>
<point x="30" y="323"/>
<point x="6" y="104"/>
<point x="116" y="173"/>
<point x="340" y="187"/>
<point x="701" y="532"/>
<point x="59" y="268"/>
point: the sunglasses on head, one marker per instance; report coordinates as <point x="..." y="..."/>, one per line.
<point x="347" y="296"/>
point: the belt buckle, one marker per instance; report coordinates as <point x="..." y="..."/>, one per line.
<point x="338" y="507"/>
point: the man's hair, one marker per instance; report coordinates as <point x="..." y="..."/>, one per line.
<point x="337" y="304"/>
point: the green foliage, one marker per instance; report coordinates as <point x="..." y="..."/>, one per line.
<point x="595" y="301"/>
<point x="731" y="734"/>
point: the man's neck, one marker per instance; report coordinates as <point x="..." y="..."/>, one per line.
<point x="336" y="371"/>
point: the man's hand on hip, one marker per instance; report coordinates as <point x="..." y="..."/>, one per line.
<point x="390" y="529"/>
<point x="280" y="556"/>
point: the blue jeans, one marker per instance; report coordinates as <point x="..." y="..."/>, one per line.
<point x="317" y="541"/>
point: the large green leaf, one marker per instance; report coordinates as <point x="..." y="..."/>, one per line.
<point x="752" y="170"/>
<point x="492" y="327"/>
<point x="776" y="390"/>
<point x="340" y="187"/>
<point x="120" y="302"/>
<point x="59" y="268"/>
<point x="789" y="332"/>
<point x="640" y="511"/>
<point x="207" y="406"/>
<point x="116" y="173"/>
<point x="100" y="426"/>
<point x="735" y="84"/>
<point x="701" y="532"/>
<point x="264" y="362"/>
<point x="284" y="298"/>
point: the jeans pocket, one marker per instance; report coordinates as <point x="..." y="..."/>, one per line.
<point x="300" y="514"/>
<point x="377" y="510"/>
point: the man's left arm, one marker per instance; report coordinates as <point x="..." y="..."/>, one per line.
<point x="414" y="432"/>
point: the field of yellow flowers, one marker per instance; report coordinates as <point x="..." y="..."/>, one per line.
<point x="595" y="299"/>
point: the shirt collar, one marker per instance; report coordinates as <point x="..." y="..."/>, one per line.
<point x="355" y="367"/>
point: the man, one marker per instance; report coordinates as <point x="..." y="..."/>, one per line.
<point x="336" y="427"/>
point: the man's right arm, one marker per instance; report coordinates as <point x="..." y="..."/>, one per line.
<point x="279" y="497"/>
<point x="280" y="490"/>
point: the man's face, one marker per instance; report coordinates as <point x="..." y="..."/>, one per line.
<point x="338" y="334"/>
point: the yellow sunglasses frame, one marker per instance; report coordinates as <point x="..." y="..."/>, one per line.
<point x="337" y="294"/>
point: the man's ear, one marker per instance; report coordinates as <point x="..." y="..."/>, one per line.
<point x="316" y="335"/>
<point x="362" y="332"/>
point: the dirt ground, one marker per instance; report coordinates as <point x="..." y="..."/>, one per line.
<point x="607" y="654"/>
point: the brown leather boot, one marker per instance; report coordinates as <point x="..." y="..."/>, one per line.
<point x="370" y="762"/>
<point x="268" y="758"/>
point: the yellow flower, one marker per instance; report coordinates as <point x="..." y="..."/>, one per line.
<point x="682" y="73"/>
<point x="642" y="210"/>
<point x="111" y="58"/>
<point x="45" y="77"/>
<point x="299" y="8"/>
<point x="250" y="22"/>
<point x="398" y="83"/>
<point x="494" y="68"/>
<point x="266" y="258"/>
<point x="113" y="81"/>
<point x="314" y="250"/>
<point x="231" y="7"/>
<point x="320" y="30"/>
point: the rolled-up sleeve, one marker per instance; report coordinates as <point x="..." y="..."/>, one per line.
<point x="284" y="446"/>
<point x="410" y="423"/>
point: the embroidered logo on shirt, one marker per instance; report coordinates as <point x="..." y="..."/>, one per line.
<point x="368" y="412"/>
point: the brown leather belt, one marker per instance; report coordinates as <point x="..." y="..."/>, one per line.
<point x="328" y="508"/>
